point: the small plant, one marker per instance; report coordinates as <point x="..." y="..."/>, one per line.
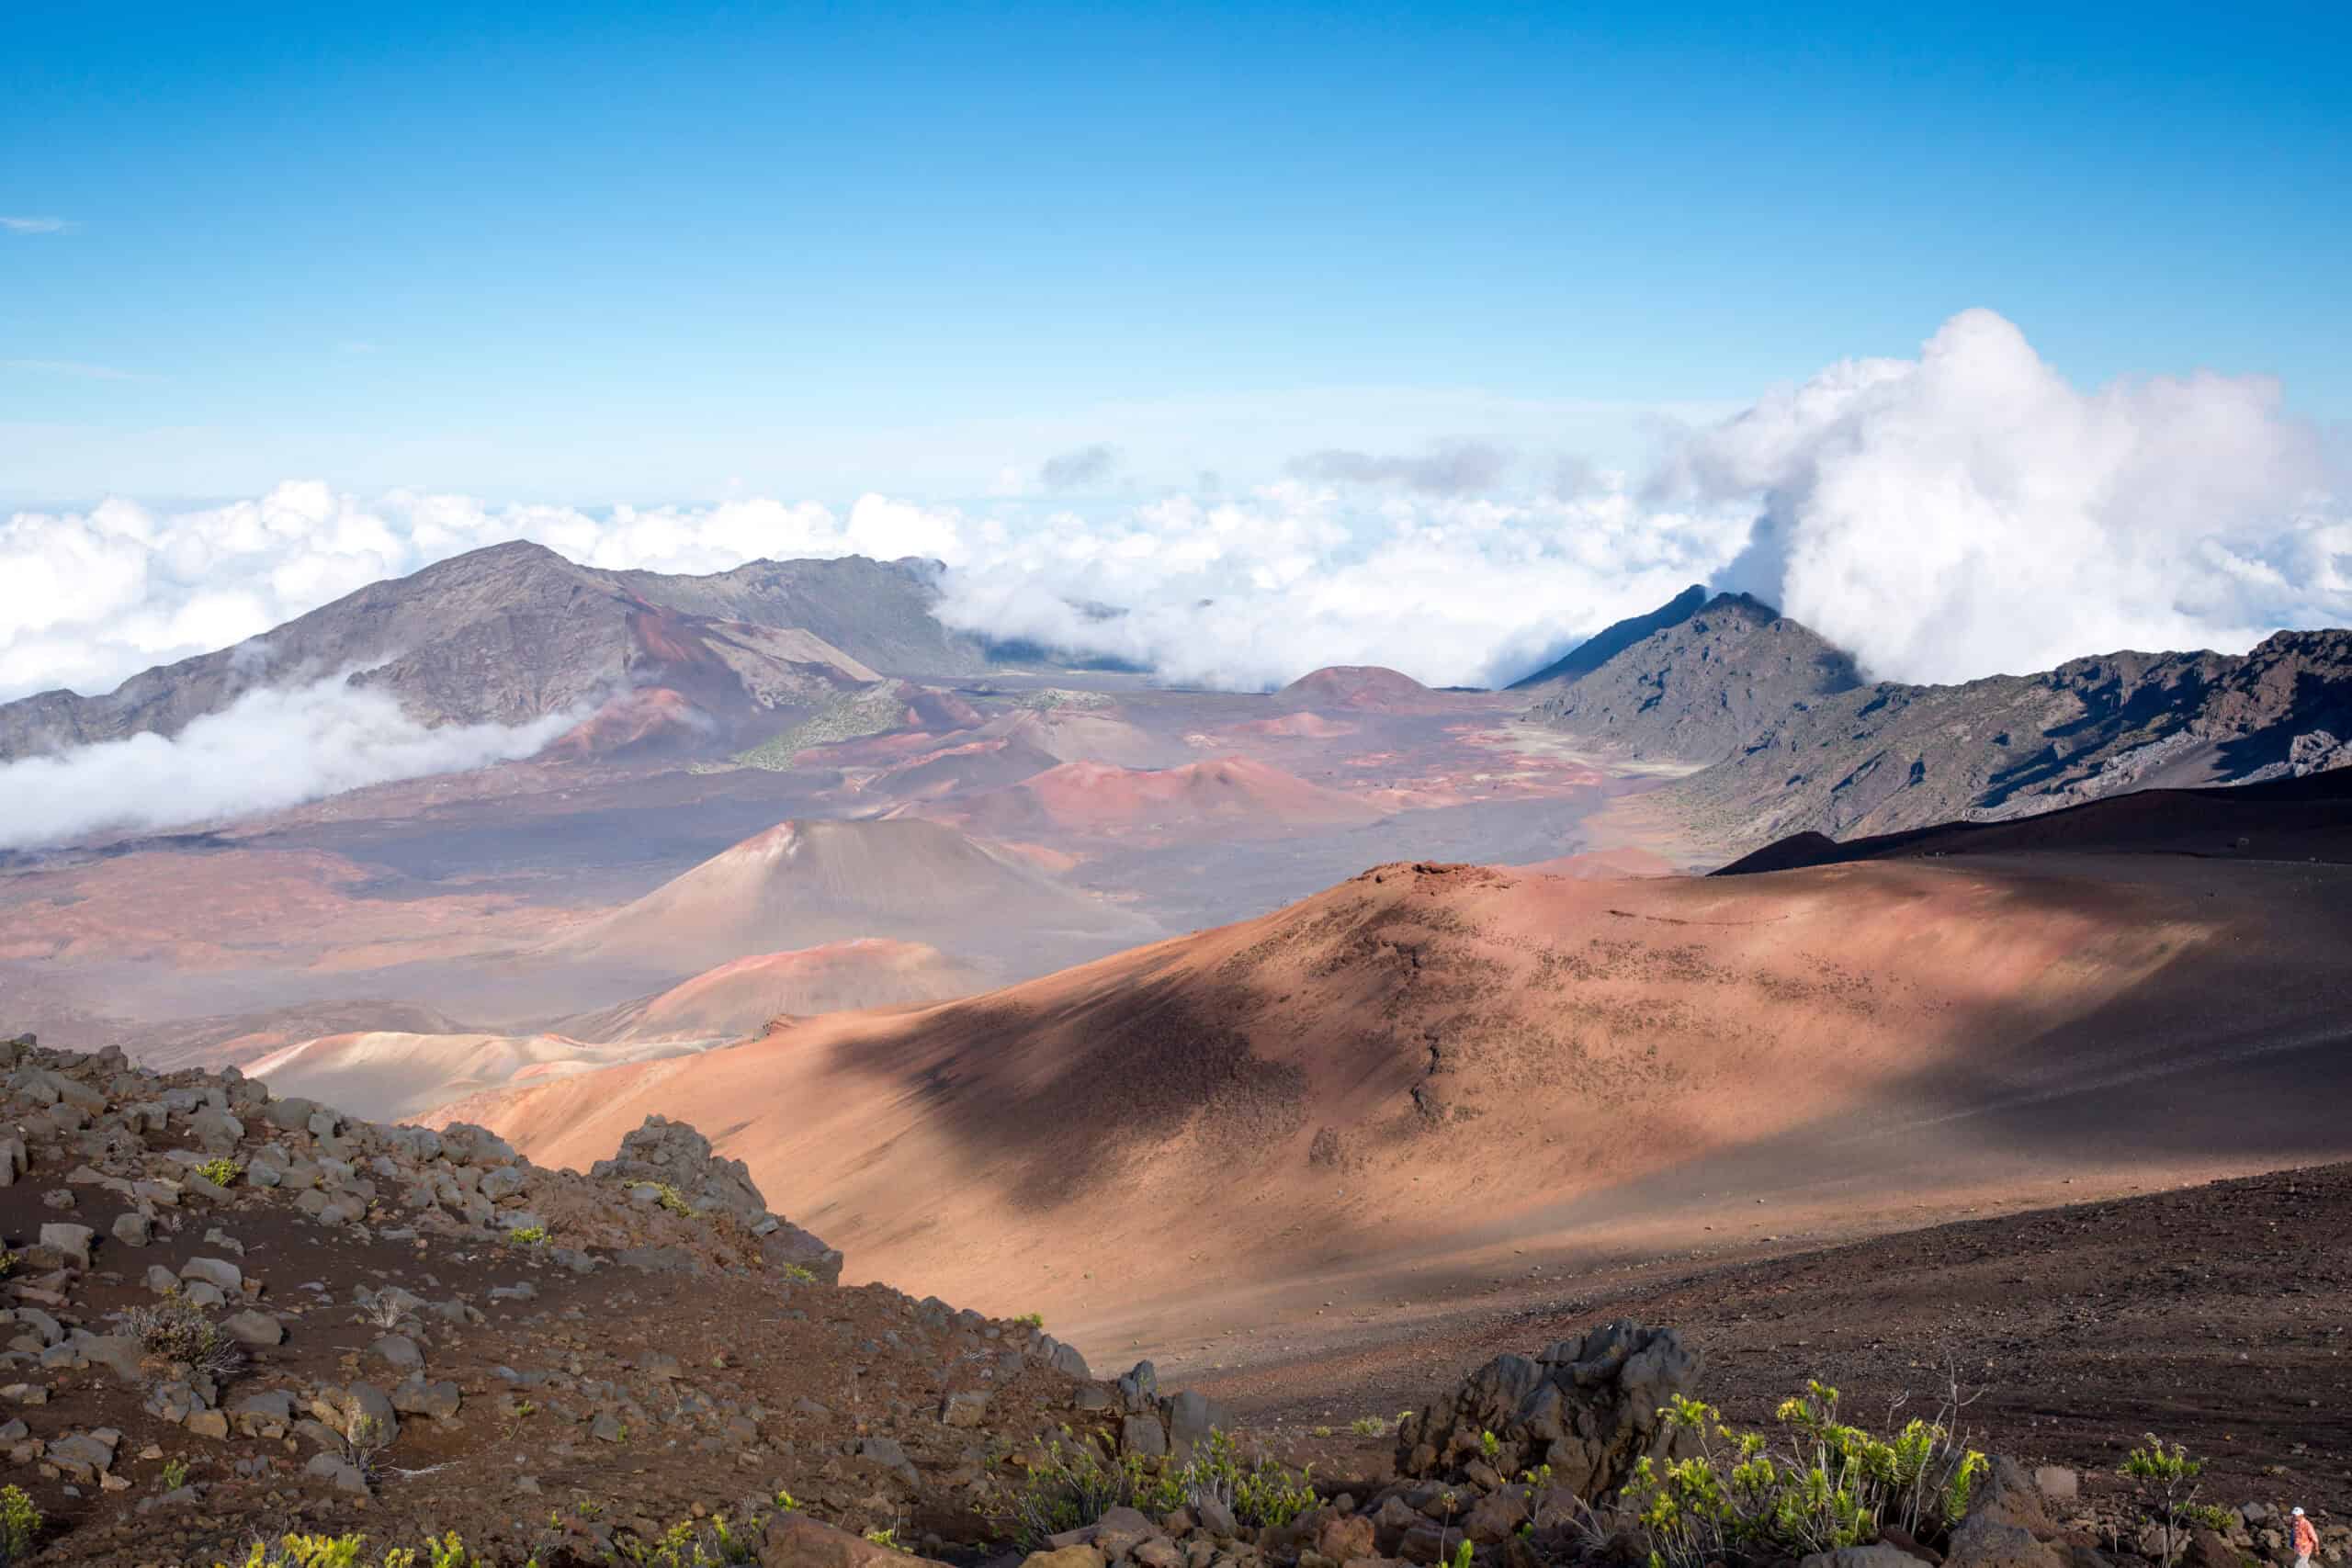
<point x="220" y="1172"/>
<point x="887" y="1536"/>
<point x="7" y="1263"/>
<point x="364" y="1437"/>
<point x="175" y="1474"/>
<point x="527" y="1235"/>
<point x="688" y="1545"/>
<point x="1368" y="1427"/>
<point x="175" y="1329"/>
<point x="1829" y="1485"/>
<point x="20" y="1521"/>
<point x="386" y="1310"/>
<point x="1491" y="1446"/>
<point x="1031" y="1320"/>
<point x="1322" y="1431"/>
<point x="670" y="1197"/>
<point x="2173" y="1475"/>
<point x="1461" y="1556"/>
<point x="797" y="1275"/>
<point x="785" y="1502"/>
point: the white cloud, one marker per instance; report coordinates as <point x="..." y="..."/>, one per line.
<point x="1971" y="512"/>
<point x="38" y="225"/>
<point x="267" y="750"/>
<point x="1948" y="517"/>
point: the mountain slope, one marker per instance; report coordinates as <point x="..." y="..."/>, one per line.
<point x="516" y="631"/>
<point x="1610" y="641"/>
<point x="1697" y="687"/>
<point x="1228" y="796"/>
<point x="1426" y="1061"/>
<point x="801" y="883"/>
<point x="1890" y="756"/>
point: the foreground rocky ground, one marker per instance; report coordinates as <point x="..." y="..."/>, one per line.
<point x="237" y="1320"/>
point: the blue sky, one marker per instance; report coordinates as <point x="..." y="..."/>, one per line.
<point x="580" y="254"/>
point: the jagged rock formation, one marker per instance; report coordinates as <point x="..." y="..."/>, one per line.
<point x="235" y="1315"/>
<point x="514" y="632"/>
<point x="1795" y="743"/>
<point x="1612" y="641"/>
<point x="665" y="1156"/>
<point x="1697" y="687"/>
<point x="1892" y="757"/>
<point x="1587" y="1407"/>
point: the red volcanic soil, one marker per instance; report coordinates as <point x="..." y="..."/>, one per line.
<point x="1625" y="860"/>
<point x="738" y="998"/>
<point x="804" y="883"/>
<point x="651" y="718"/>
<point x="1230" y="795"/>
<point x="225" y="909"/>
<point x="1367" y="687"/>
<point x="1426" y="1065"/>
<point x="1307" y="726"/>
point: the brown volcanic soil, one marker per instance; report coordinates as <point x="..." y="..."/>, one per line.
<point x="738" y="998"/>
<point x="803" y="883"/>
<point x="1378" y="1093"/>
<point x="2214" y="1315"/>
<point x="1227" y="795"/>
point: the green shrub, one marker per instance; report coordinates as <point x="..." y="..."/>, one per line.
<point x="20" y="1521"/>
<point x="2173" y="1476"/>
<point x="175" y="1474"/>
<point x="1070" y="1484"/>
<point x="1368" y="1427"/>
<point x="797" y="1275"/>
<point x="175" y="1329"/>
<point x="712" y="1543"/>
<point x="1829" y="1486"/>
<point x="527" y="1235"/>
<point x="1031" y="1320"/>
<point x="220" y="1172"/>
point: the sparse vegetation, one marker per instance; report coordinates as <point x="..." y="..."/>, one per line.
<point x="1368" y="1427"/>
<point x="220" y="1172"/>
<point x="689" y="1543"/>
<point x="20" y="1522"/>
<point x="1048" y="698"/>
<point x="1031" y="1320"/>
<point x="1070" y="1485"/>
<point x="2172" y="1475"/>
<point x="1831" y="1485"/>
<point x="672" y="1198"/>
<point x="175" y="1329"/>
<point x="797" y="1275"/>
<point x="175" y="1474"/>
<point x="527" y="1235"/>
<point x="867" y="711"/>
<point x="351" y="1552"/>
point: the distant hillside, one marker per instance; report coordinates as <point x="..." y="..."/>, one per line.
<point x="1608" y="643"/>
<point x="516" y="631"/>
<point x="1796" y="744"/>
<point x="1697" y="687"/>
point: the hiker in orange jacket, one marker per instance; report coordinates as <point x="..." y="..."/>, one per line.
<point x="2306" y="1540"/>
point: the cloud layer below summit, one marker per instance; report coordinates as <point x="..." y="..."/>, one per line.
<point x="1958" y="514"/>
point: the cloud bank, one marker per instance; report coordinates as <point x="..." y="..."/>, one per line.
<point x="1951" y="515"/>
<point x="270" y="749"/>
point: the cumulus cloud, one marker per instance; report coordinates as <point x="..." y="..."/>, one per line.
<point x="1957" y="513"/>
<point x="270" y="749"/>
<point x="1087" y="465"/>
<point x="1460" y="468"/>
<point x="36" y="225"/>
<point x="1971" y="512"/>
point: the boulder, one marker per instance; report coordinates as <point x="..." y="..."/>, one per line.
<point x="796" y="1541"/>
<point x="1587" y="1407"/>
<point x="1982" y="1541"/>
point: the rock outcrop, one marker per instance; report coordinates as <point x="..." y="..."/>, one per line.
<point x="665" y="1160"/>
<point x="1587" y="1407"/>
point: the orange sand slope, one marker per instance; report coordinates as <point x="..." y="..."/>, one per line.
<point x="1426" y="1062"/>
<point x="738" y="998"/>
<point x="801" y="883"/>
